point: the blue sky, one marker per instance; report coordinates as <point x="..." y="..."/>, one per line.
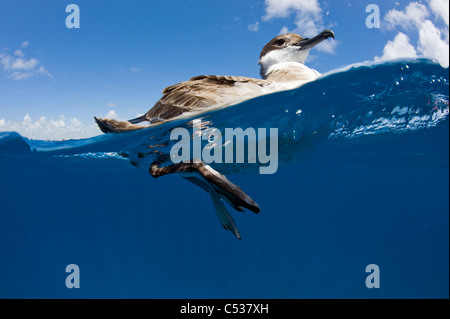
<point x="53" y="79"/>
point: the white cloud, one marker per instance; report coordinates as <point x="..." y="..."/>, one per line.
<point x="135" y="69"/>
<point x="398" y="48"/>
<point x="283" y="8"/>
<point x="42" y="70"/>
<point x="6" y="60"/>
<point x="22" y="64"/>
<point x="441" y="9"/>
<point x="18" y="67"/>
<point x="432" y="45"/>
<point x="284" y="30"/>
<point x="433" y="41"/>
<point x="112" y="115"/>
<point x="111" y="104"/>
<point x="413" y="16"/>
<point x="253" y="27"/>
<point x="54" y="129"/>
<point x="308" y="18"/>
<point x="20" y="75"/>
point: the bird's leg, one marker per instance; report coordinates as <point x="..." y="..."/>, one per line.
<point x="233" y="193"/>
<point x="216" y="184"/>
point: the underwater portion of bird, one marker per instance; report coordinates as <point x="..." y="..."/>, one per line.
<point x="282" y="68"/>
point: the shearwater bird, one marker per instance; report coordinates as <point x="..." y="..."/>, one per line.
<point x="282" y="68"/>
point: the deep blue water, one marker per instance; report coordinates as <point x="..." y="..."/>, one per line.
<point x="363" y="179"/>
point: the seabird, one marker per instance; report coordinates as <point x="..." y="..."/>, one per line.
<point x="282" y="68"/>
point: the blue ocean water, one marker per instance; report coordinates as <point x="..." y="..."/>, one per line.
<point x="363" y="179"/>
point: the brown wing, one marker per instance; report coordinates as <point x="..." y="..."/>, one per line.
<point x="197" y="93"/>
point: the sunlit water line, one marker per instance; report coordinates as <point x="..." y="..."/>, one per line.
<point x="397" y="98"/>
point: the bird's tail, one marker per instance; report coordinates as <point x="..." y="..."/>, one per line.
<point x="114" y="126"/>
<point x="138" y="119"/>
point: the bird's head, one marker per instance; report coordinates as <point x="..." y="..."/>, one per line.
<point x="289" y="47"/>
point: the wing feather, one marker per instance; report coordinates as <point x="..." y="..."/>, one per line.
<point x="201" y="92"/>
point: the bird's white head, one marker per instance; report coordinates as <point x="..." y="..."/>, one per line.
<point x="289" y="47"/>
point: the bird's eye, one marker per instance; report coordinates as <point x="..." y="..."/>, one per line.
<point x="281" y="42"/>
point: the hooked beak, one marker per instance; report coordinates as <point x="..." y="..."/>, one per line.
<point x="306" y="44"/>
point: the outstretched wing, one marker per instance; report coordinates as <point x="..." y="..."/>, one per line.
<point x="202" y="92"/>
